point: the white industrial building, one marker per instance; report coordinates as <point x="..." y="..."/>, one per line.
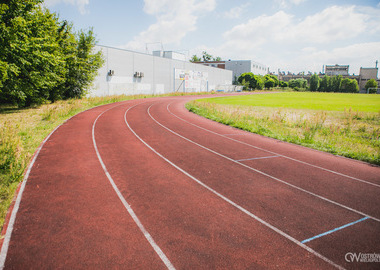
<point x="238" y="67"/>
<point x="130" y="73"/>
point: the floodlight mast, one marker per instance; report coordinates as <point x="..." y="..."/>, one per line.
<point x="151" y="43"/>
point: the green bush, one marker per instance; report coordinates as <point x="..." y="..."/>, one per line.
<point x="41" y="58"/>
<point x="371" y="84"/>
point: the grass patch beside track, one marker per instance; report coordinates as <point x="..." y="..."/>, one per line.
<point x="307" y="100"/>
<point x="337" y="129"/>
<point x="23" y="130"/>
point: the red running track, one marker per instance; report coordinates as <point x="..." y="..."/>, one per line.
<point x="145" y="184"/>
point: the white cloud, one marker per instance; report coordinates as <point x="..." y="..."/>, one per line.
<point x="81" y="4"/>
<point x="258" y="31"/>
<point x="235" y="12"/>
<point x="283" y="41"/>
<point x="356" y="55"/>
<point x="175" y="18"/>
<point x="288" y="3"/>
<point x="332" y="24"/>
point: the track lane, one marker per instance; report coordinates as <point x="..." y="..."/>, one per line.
<point x="354" y="194"/>
<point x="69" y="215"/>
<point x="375" y="228"/>
<point x="269" y="226"/>
<point x="195" y="226"/>
<point x="219" y="179"/>
<point x="195" y="229"/>
<point x="217" y="146"/>
<point x="320" y="160"/>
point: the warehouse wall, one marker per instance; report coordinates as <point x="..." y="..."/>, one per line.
<point x="158" y="75"/>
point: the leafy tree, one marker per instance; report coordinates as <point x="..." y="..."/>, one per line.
<point x="33" y="60"/>
<point x="42" y="59"/>
<point x="283" y="84"/>
<point x="254" y="81"/>
<point x="245" y="84"/>
<point x="271" y="81"/>
<point x="371" y="84"/>
<point x="82" y="66"/>
<point x="299" y="83"/>
<point x="325" y="84"/>
<point x="349" y="86"/>
<point x="217" y="58"/>
<point x="247" y="78"/>
<point x="206" y="57"/>
<point x="336" y="83"/>
<point x="259" y="82"/>
<point x="314" y="82"/>
<point x="195" y="58"/>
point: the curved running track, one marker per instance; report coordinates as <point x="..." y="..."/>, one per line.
<point x="145" y="184"/>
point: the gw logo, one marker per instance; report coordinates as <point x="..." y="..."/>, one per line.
<point x="351" y="257"/>
<point x="362" y="257"/>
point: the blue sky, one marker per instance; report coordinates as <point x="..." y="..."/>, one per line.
<point x="290" y="35"/>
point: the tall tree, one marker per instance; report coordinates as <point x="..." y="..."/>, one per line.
<point x="82" y="66"/>
<point x="336" y="83"/>
<point x="41" y="58"/>
<point x="33" y="60"/>
<point x="314" y="82"/>
<point x="371" y="84"/>
<point x="325" y="84"/>
<point x="349" y="86"/>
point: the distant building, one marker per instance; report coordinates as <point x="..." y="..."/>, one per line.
<point x="366" y="74"/>
<point x="337" y="70"/>
<point x="238" y="67"/>
<point x="132" y="73"/>
<point x="170" y="55"/>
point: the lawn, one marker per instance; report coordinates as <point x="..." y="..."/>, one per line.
<point x="307" y="100"/>
<point x="341" y="124"/>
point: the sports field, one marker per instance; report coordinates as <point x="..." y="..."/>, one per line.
<point x="307" y="100"/>
<point x="342" y="124"/>
<point x="145" y="184"/>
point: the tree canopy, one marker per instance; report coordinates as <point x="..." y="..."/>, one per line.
<point x="371" y="84"/>
<point x="206" y="57"/>
<point x="41" y="58"/>
<point x="252" y="81"/>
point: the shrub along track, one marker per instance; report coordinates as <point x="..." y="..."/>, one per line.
<point x="146" y="184"/>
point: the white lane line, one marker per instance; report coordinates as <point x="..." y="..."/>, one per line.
<point x="246" y="159"/>
<point x="274" y="153"/>
<point x="263" y="173"/>
<point x="231" y="202"/>
<point x="7" y="238"/>
<point x="9" y="230"/>
<point x="147" y="235"/>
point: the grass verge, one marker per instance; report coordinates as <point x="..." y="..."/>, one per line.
<point x="23" y="130"/>
<point x="347" y="133"/>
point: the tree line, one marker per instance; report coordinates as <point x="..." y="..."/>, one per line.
<point x="325" y="84"/>
<point x="252" y="82"/>
<point x="333" y="84"/>
<point x="206" y="57"/>
<point x="41" y="57"/>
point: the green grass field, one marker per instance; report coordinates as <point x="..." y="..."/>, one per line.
<point x="307" y="100"/>
<point x="342" y="124"/>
